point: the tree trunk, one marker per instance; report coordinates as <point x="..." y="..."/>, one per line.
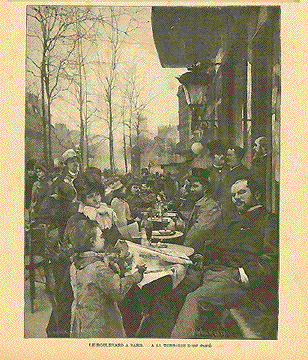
<point x="49" y="134"/>
<point x="48" y="98"/>
<point x="111" y="150"/>
<point x="124" y="149"/>
<point x="45" y="152"/>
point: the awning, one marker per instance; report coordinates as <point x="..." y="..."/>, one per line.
<point x="186" y="35"/>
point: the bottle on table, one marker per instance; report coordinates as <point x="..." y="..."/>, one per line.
<point x="146" y="230"/>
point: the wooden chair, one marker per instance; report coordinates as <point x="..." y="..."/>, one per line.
<point x="36" y="236"/>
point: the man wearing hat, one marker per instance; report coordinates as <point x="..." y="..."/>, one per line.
<point x="205" y="214"/>
<point x="63" y="207"/>
<point x="71" y="162"/>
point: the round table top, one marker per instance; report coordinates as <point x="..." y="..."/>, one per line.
<point x="188" y="251"/>
<point x="175" y="235"/>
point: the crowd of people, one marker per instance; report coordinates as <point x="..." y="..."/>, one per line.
<point x="235" y="242"/>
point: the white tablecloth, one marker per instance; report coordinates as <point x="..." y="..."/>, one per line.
<point x="159" y="262"/>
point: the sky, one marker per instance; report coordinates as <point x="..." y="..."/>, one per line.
<point x="159" y="84"/>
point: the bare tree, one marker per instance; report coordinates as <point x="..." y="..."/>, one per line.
<point x="136" y="102"/>
<point x="83" y="35"/>
<point x="53" y="22"/>
<point x="115" y="30"/>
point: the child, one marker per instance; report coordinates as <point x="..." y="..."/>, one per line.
<point x="95" y="275"/>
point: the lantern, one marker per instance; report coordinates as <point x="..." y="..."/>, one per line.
<point x="197" y="148"/>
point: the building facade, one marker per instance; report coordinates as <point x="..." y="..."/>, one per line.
<point x="241" y="47"/>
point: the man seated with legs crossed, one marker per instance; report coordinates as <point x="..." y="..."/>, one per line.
<point x="242" y="255"/>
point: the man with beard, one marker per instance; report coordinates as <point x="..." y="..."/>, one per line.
<point x="236" y="171"/>
<point x="258" y="164"/>
<point x="205" y="214"/>
<point x="243" y="255"/>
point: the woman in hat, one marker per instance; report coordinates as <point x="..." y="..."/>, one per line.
<point x="95" y="276"/>
<point x="97" y="212"/>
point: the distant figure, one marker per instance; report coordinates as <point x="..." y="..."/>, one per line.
<point x="120" y="205"/>
<point x="30" y="179"/>
<point x="258" y="164"/>
<point x="39" y="190"/>
<point x="170" y="187"/>
<point x="134" y="200"/>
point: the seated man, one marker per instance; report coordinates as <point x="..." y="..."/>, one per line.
<point x="205" y="214"/>
<point x="242" y="256"/>
<point x="237" y="170"/>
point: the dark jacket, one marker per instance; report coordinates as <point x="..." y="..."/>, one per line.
<point x="29" y="181"/>
<point x="216" y="179"/>
<point x="39" y="191"/>
<point x="258" y="170"/>
<point x="250" y="241"/>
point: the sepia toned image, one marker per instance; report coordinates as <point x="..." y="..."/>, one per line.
<point x="152" y="172"/>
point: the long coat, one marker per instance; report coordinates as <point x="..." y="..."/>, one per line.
<point x="216" y="178"/>
<point x="39" y="191"/>
<point x="242" y="241"/>
<point x="97" y="290"/>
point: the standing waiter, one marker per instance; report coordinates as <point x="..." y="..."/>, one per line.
<point x="63" y="205"/>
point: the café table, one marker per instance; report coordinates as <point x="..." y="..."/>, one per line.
<point x="163" y="236"/>
<point x="161" y="260"/>
<point x="166" y="268"/>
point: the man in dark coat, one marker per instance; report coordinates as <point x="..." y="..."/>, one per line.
<point x="243" y="255"/>
<point x="218" y="171"/>
<point x="236" y="171"/>
<point x="59" y="207"/>
<point x="259" y="159"/>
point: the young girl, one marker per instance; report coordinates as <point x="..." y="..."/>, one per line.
<point x="95" y="276"/>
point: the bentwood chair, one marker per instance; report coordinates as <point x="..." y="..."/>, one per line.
<point x="36" y="236"/>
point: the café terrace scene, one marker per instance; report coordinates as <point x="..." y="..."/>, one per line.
<point x="152" y="154"/>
